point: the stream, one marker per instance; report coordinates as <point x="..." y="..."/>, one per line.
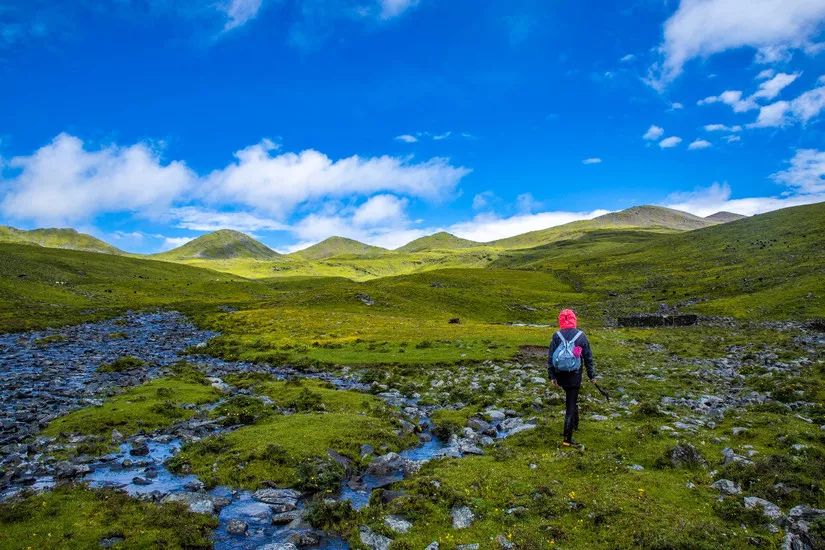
<point x="46" y="374"/>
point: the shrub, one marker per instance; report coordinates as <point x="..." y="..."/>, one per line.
<point x="122" y="364"/>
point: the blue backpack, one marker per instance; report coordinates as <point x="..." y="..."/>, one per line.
<point x="563" y="358"/>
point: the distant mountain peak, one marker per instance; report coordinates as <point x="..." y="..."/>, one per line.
<point x="57" y="237"/>
<point x="223" y="244"/>
<point x="437" y="241"/>
<point x="338" y="246"/>
<point x="724" y="217"/>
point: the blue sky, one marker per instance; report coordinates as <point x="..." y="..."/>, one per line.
<point x="149" y="122"/>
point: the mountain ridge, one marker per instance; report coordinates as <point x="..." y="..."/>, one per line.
<point x="57" y="237"/>
<point x="223" y="244"/>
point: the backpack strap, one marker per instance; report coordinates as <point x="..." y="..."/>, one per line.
<point x="576" y="337"/>
<point x="563" y="341"/>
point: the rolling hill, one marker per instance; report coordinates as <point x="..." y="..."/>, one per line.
<point x="224" y="244"/>
<point x="64" y="238"/>
<point x="437" y="241"/>
<point x="724" y="217"/>
<point x="339" y="246"/>
<point x="650" y="218"/>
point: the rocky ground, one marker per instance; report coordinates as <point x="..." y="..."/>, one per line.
<point x="46" y="374"/>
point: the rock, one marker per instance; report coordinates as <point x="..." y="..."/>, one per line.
<point x="598" y="417"/>
<point x="236" y="527"/>
<point x="365" y="299"/>
<point x="367" y="450"/>
<point x="769" y="509"/>
<point x="397" y="524"/>
<point x="805" y="513"/>
<point x="199" y="503"/>
<point x="305" y="538"/>
<point x="473" y="546"/>
<point x="110" y="542"/>
<point x="138" y="480"/>
<point x="388" y="464"/>
<point x="636" y="467"/>
<point x="737" y="430"/>
<point x="287" y="517"/>
<point x="139" y="448"/>
<point x="117" y="437"/>
<point x="727" y="487"/>
<point x="503" y="543"/>
<point x="432" y="546"/>
<point x="463" y="517"/>
<point x="195" y="485"/>
<point x="496" y="415"/>
<point x="729" y="456"/>
<point x="658" y="320"/>
<point x="219" y="384"/>
<point x="373" y="540"/>
<point x="685" y="455"/>
<point x="794" y="541"/>
<point x="285" y="499"/>
<point x="278" y="546"/>
<point x="481" y="426"/>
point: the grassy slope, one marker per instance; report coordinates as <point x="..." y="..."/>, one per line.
<point x="56" y="238"/>
<point x="760" y="266"/>
<point x="274" y="448"/>
<point x="74" y="517"/>
<point x="437" y="241"/>
<point x="220" y="245"/>
<point x="653" y="218"/>
<point x="42" y="287"/>
<point x="339" y="246"/>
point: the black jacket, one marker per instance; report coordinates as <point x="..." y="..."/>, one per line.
<point x="571" y="379"/>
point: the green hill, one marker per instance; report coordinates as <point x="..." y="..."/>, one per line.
<point x="437" y="241"/>
<point x="339" y="246"/>
<point x="224" y="244"/>
<point x="724" y="217"/>
<point x="650" y="218"/>
<point x="56" y="238"/>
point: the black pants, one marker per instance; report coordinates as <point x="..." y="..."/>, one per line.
<point x="571" y="411"/>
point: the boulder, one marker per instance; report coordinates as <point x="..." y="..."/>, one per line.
<point x="285" y="499"/>
<point x="199" y="503"/>
<point x="769" y="509"/>
<point x="726" y="487"/>
<point x="236" y="527"/>
<point x="685" y="455"/>
<point x="388" y="464"/>
<point x="373" y="540"/>
<point x="397" y="524"/>
<point x="463" y="517"/>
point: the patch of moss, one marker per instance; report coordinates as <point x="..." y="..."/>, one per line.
<point x="122" y="364"/>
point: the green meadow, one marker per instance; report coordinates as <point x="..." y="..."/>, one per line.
<point x="462" y="326"/>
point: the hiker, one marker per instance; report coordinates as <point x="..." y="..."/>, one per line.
<point x="568" y="348"/>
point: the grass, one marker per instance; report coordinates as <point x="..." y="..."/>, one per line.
<point x="147" y="407"/>
<point x="75" y="517"/>
<point x="291" y="450"/>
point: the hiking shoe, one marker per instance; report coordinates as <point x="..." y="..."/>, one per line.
<point x="572" y="444"/>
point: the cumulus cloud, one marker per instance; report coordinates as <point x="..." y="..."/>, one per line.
<point x="204" y="219"/>
<point x="799" y="110"/>
<point x="699" y="144"/>
<point x="701" y="28"/>
<point x="717" y="197"/>
<point x="767" y="90"/>
<point x="733" y="98"/>
<point x="406" y="138"/>
<point x="65" y="182"/>
<point x="380" y="209"/>
<point x="173" y="242"/>
<point x="653" y="133"/>
<point x="276" y="183"/>
<point x="483" y="200"/>
<point x="489" y="227"/>
<point x="669" y="142"/>
<point x="592" y="160"/>
<point x="722" y="128"/>
<point x="806" y="174"/>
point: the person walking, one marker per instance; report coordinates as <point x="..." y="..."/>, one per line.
<point x="568" y="349"/>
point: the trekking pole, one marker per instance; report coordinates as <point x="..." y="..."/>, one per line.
<point x="601" y="391"/>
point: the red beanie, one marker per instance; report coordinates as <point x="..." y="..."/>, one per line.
<point x="567" y="319"/>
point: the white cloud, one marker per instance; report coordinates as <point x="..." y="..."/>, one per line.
<point x="394" y="8"/>
<point x="801" y="109"/>
<point x="592" y="160"/>
<point x="277" y="183"/>
<point x="239" y="12"/>
<point x="380" y="209"/>
<point x="406" y="138"/>
<point x="527" y="203"/>
<point x="717" y="197"/>
<point x="699" y="144"/>
<point x="489" y="227"/>
<point x="669" y="142"/>
<point x="204" y="219"/>
<point x="722" y="128"/>
<point x="654" y="132"/>
<point x="765" y="73"/>
<point x="701" y="28"/>
<point x="806" y="175"/>
<point x="64" y="182"/>
<point x="732" y="98"/>
<point x="769" y="89"/>
<point x="627" y="58"/>
<point x="483" y="199"/>
<point x="732" y="139"/>
<point x="173" y="242"/>
<point x="675" y="106"/>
